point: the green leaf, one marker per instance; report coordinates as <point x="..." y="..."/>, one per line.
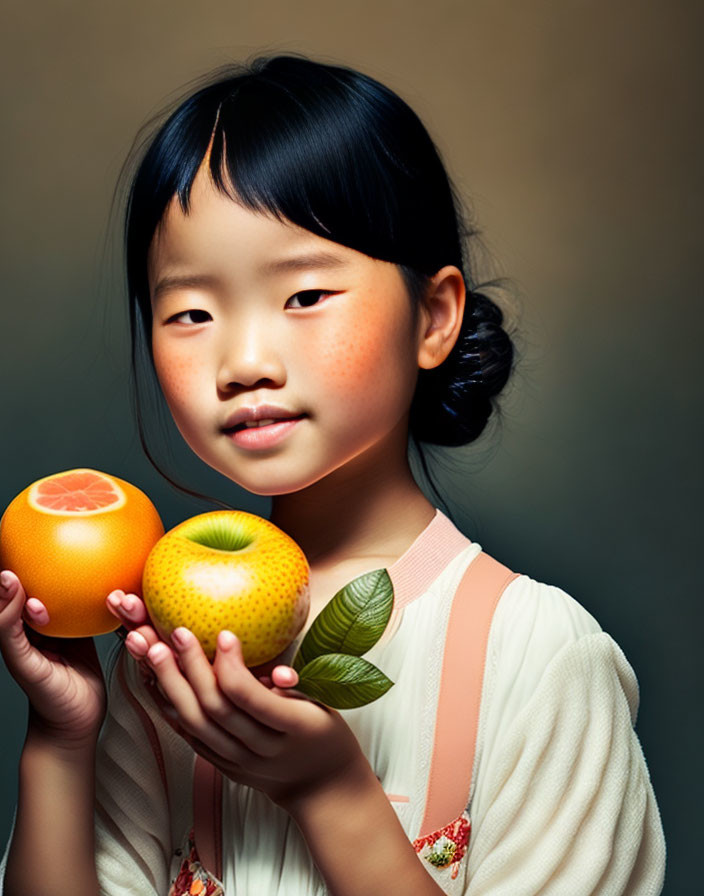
<point x="342" y="681"/>
<point x="352" y="622"/>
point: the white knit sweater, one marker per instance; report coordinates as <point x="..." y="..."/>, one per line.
<point x="562" y="804"/>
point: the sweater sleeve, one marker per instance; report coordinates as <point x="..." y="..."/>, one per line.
<point x="143" y="788"/>
<point x="568" y="807"/>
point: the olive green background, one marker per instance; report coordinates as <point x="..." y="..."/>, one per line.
<point x="575" y="131"/>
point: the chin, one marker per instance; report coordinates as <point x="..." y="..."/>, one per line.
<point x="269" y="485"/>
<point x="274" y="488"/>
<point x="271" y="477"/>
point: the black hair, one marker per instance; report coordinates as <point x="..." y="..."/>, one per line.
<point x="343" y="156"/>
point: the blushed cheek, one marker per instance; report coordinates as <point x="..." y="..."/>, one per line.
<point x="177" y="375"/>
<point x="181" y="377"/>
<point x="362" y="364"/>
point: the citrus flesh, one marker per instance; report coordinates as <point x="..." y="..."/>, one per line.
<point x="77" y="491"/>
<point x="72" y="538"/>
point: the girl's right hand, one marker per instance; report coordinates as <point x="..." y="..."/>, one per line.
<point x="61" y="677"/>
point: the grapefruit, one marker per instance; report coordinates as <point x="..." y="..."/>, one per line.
<point x="72" y="538"/>
<point x="229" y="570"/>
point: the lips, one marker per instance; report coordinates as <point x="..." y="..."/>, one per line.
<point x="258" y="424"/>
<point x="252" y="424"/>
<point x="258" y="416"/>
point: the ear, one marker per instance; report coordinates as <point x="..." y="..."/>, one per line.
<point x="440" y="317"/>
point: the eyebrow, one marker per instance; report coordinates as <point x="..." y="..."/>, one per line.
<point x="312" y="260"/>
<point x="322" y="260"/>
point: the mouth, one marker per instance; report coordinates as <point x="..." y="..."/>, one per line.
<point x="263" y="435"/>
<point x="261" y="424"/>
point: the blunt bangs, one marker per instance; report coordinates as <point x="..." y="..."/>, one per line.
<point x="324" y="147"/>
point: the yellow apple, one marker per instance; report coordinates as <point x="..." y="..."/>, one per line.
<point x="229" y="570"/>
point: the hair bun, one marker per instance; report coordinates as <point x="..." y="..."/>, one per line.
<point x="453" y="402"/>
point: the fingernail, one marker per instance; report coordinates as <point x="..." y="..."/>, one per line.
<point x="114" y="599"/>
<point x="181" y="637"/>
<point x="288" y="675"/>
<point x="36" y="609"/>
<point x="157" y="653"/>
<point x="6" y="580"/>
<point x="226" y="640"/>
<point x="128" y="604"/>
<point x="136" y="644"/>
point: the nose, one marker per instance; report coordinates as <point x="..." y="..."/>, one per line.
<point x="249" y="356"/>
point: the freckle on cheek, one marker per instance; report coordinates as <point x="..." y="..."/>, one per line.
<point x="352" y="358"/>
<point x="175" y="376"/>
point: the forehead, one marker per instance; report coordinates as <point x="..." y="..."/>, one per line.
<point x="217" y="227"/>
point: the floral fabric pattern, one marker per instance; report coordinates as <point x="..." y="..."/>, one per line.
<point x="446" y="847"/>
<point x="192" y="878"/>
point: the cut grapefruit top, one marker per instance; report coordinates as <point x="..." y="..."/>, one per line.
<point x="79" y="492"/>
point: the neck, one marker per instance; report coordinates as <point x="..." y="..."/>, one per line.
<point x="371" y="507"/>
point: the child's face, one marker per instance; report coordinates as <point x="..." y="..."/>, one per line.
<point x="345" y="365"/>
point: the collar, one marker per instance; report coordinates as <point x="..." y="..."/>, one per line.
<point x="423" y="561"/>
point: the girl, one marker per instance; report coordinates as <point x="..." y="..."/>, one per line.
<point x="299" y="273"/>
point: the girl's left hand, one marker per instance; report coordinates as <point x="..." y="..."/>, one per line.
<point x="132" y="613"/>
<point x="275" y="740"/>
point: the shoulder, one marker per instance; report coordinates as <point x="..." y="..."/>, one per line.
<point x="535" y="620"/>
<point x="536" y="627"/>
<point x="562" y="789"/>
<point x="557" y="754"/>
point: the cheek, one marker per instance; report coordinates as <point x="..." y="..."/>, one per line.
<point x="178" y="376"/>
<point x="349" y="361"/>
<point x="366" y="361"/>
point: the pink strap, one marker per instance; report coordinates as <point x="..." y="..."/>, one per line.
<point x="456" y="725"/>
<point x="457" y="720"/>
<point x="207" y="815"/>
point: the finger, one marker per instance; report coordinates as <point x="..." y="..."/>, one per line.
<point x="139" y="640"/>
<point x="242" y="774"/>
<point x="284" y="677"/>
<point x="27" y="661"/>
<point x="267" y="667"/>
<point x="12" y="600"/>
<point x="151" y="683"/>
<point x="137" y="643"/>
<point x="198" y="670"/>
<point x="182" y="697"/>
<point x="27" y="651"/>
<point x="231" y="768"/>
<point x="245" y="691"/>
<point x="35" y="613"/>
<point x="128" y="608"/>
<point x="14" y="606"/>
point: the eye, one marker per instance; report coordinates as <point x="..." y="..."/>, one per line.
<point x="306" y="298"/>
<point x="197" y="317"/>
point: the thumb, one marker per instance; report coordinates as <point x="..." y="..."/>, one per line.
<point x="16" y="648"/>
<point x="12" y="601"/>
